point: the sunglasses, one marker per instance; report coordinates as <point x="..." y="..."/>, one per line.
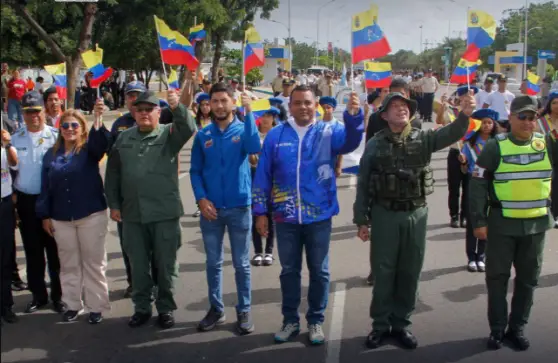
<point x="525" y="116"/>
<point x="145" y="109"/>
<point x="73" y="125"/>
<point x="30" y="112"/>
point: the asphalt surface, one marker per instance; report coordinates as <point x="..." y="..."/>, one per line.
<point x="450" y="318"/>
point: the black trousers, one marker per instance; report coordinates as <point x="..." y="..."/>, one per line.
<point x="7" y="235"/>
<point x="427" y="106"/>
<point x="474" y="247"/>
<point x="35" y="243"/>
<point x="457" y="181"/>
<point x="126" y="259"/>
<point x="554" y="196"/>
<point x="257" y="239"/>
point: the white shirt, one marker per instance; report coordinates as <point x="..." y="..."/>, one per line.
<point x="302" y="80"/>
<point x="501" y="103"/>
<point x="6" y="176"/>
<point x="286" y="99"/>
<point x="31" y="148"/>
<point x="429" y="84"/>
<point x="481" y="98"/>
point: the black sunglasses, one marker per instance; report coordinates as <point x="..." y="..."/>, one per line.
<point x="526" y="116"/>
<point x="73" y="125"/>
<point x="145" y="109"/>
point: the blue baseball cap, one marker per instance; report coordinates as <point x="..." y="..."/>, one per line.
<point x="135" y="86"/>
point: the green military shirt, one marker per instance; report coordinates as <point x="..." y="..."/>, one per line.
<point x="431" y="141"/>
<point x="142" y="170"/>
<point x="482" y="189"/>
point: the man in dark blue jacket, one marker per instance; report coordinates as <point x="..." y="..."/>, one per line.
<point x="222" y="183"/>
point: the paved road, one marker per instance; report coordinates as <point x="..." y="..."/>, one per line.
<point x="450" y="320"/>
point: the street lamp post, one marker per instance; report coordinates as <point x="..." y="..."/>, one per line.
<point x="318" y="29"/>
<point x="289" y="42"/>
<point x="526" y="36"/>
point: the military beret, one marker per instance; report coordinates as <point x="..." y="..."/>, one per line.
<point x="463" y="90"/>
<point x="273" y="111"/>
<point x="274" y="101"/>
<point x="326" y="100"/>
<point x="202" y="97"/>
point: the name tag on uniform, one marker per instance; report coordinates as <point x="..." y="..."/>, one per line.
<point x="478" y="172"/>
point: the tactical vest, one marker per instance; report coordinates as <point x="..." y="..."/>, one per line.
<point x="522" y="181"/>
<point x="401" y="172"/>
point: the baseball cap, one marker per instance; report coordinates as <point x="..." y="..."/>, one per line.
<point x="396" y="95"/>
<point x="147" y="97"/>
<point x="489" y="80"/>
<point x="32" y="101"/>
<point x="502" y="78"/>
<point x="524" y="103"/>
<point x="135" y="86"/>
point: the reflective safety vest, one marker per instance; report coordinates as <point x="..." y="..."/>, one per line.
<point x="523" y="178"/>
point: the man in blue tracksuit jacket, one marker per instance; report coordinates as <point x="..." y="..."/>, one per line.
<point x="222" y="182"/>
<point x="295" y="173"/>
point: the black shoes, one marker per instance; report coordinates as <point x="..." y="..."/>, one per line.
<point x="95" y="318"/>
<point x="211" y="320"/>
<point x="139" y="319"/>
<point x="19" y="286"/>
<point x="165" y="320"/>
<point x="463" y="223"/>
<point x="454" y="223"/>
<point x="244" y="323"/>
<point x="518" y="340"/>
<point x="405" y="338"/>
<point x="34" y="306"/>
<point x="9" y="316"/>
<point x="70" y="315"/>
<point x="376" y="338"/>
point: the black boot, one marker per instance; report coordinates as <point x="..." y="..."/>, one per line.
<point x="495" y="340"/>
<point x="375" y="339"/>
<point x="406" y="338"/>
<point x="518" y="340"/>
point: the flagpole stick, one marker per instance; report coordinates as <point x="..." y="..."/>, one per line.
<point x="161" y="52"/>
<point x="352" y="61"/>
<point x="467" y="25"/>
<point x="243" y="77"/>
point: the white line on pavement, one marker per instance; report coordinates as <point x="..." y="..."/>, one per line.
<point x="335" y="337"/>
<point x="183" y="175"/>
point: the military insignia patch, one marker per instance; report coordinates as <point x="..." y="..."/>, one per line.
<point x="208" y="143"/>
<point x="538" y="145"/>
<point x="41" y="140"/>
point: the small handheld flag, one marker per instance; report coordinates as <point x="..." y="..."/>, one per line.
<point x="93" y="60"/>
<point x="197" y="33"/>
<point x="377" y="75"/>
<point x="253" y="50"/>
<point x="369" y="41"/>
<point x="173" y="80"/>
<point x="533" y="87"/>
<point x="175" y="47"/>
<point x="58" y="72"/>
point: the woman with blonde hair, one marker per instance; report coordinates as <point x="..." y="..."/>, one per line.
<point x="73" y="208"/>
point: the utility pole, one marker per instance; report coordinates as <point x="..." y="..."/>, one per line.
<point x="420" y="39"/>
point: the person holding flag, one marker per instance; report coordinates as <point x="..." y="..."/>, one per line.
<point x="390" y="210"/>
<point x="471" y="150"/>
<point x="298" y="183"/>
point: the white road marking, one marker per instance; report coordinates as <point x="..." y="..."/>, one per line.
<point x="183" y="175"/>
<point x="333" y="354"/>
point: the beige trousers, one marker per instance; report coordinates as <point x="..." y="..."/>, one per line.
<point x="83" y="262"/>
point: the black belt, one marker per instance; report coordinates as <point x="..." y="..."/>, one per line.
<point x="5" y="199"/>
<point x="401" y="206"/>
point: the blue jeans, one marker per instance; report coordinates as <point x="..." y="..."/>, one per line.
<point x="291" y="239"/>
<point x="238" y="222"/>
<point x="15" y="112"/>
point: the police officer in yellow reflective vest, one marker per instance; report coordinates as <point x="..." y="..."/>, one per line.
<point x="510" y="199"/>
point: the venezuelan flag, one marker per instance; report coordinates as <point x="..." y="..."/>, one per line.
<point x="481" y="32"/>
<point x="460" y="73"/>
<point x="253" y="50"/>
<point x="93" y="60"/>
<point x="474" y="126"/>
<point x="369" y="41"/>
<point x="319" y="112"/>
<point x="175" y="47"/>
<point x="58" y="72"/>
<point x="258" y="107"/>
<point x="197" y="33"/>
<point x="533" y="87"/>
<point x="377" y="75"/>
<point x="173" y="80"/>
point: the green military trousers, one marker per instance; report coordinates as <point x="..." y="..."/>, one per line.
<point x="526" y="255"/>
<point x="160" y="241"/>
<point x="398" y="242"/>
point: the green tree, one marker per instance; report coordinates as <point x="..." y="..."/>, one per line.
<point x="512" y="28"/>
<point x="64" y="28"/>
<point x="233" y="66"/>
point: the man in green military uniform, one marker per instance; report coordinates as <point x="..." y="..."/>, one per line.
<point x="510" y="199"/>
<point x="394" y="179"/>
<point x="142" y="192"/>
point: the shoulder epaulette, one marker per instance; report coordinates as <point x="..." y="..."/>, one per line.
<point x="501" y="137"/>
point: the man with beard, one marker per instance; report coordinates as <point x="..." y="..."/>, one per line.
<point x="222" y="184"/>
<point x="394" y="179"/>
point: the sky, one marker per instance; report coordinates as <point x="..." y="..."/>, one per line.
<point x="399" y="19"/>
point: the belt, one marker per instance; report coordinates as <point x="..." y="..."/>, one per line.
<point x="401" y="206"/>
<point x="6" y="199"/>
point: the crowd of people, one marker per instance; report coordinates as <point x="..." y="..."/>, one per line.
<point x="274" y="178"/>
